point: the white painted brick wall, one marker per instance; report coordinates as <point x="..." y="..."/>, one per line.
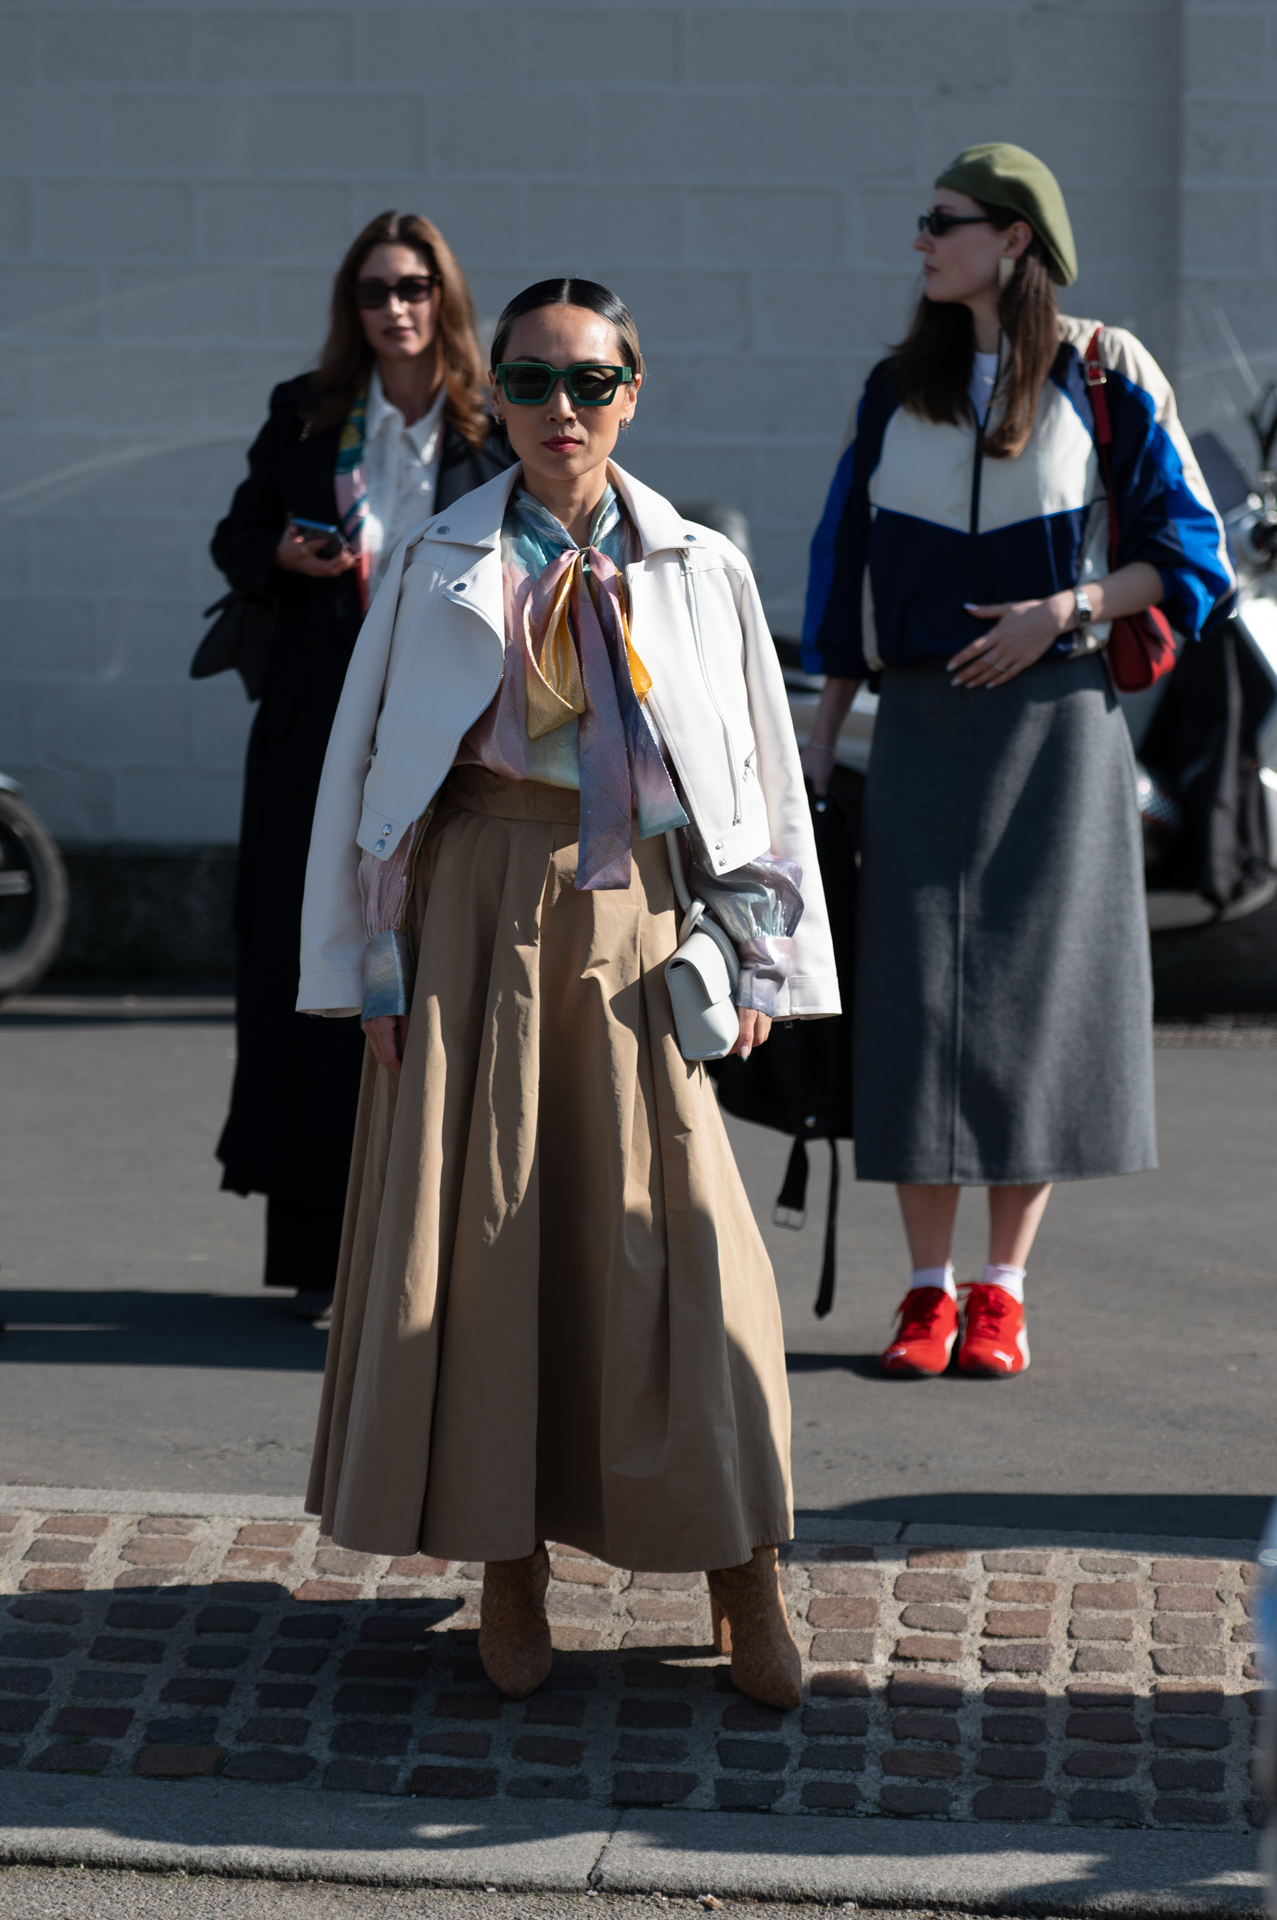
<point x="1228" y="212"/>
<point x="178" y="180"/>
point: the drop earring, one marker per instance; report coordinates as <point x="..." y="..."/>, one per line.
<point x="1006" y="271"/>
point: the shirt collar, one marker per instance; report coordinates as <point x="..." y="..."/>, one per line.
<point x="381" y="416"/>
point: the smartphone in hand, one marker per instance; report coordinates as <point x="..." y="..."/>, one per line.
<point x="312" y="530"/>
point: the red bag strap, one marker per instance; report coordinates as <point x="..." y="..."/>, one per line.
<point x="1096" y="380"/>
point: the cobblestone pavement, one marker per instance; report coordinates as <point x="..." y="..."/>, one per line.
<point x="1065" y="1684"/>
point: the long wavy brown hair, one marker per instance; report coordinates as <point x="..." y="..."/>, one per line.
<point x="347" y="357"/>
<point x="933" y="361"/>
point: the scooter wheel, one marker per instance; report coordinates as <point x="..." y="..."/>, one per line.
<point x="34" y="897"/>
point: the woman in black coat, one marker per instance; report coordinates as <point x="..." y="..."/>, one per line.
<point x="391" y="427"/>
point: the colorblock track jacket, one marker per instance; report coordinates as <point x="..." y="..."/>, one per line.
<point x="919" y="521"/>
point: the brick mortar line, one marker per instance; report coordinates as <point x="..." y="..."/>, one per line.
<point x="207" y="1564"/>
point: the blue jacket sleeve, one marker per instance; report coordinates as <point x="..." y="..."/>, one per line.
<point x="1164" y="510"/>
<point x="820" y="568"/>
<point x="833" y="630"/>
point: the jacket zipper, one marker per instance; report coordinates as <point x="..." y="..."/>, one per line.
<point x="694" y="611"/>
<point x="978" y="464"/>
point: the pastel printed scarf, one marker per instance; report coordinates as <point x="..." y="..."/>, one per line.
<point x="570" y="617"/>
<point x="352" y="493"/>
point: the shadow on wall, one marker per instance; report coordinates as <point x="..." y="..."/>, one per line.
<point x="142" y="913"/>
<point x="1229" y="967"/>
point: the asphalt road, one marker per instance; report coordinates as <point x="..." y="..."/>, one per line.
<point x="142" y="1352"/>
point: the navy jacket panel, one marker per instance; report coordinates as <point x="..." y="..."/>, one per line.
<point x="919" y="521"/>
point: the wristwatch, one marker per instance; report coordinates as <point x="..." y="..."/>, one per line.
<point x="1082" y="637"/>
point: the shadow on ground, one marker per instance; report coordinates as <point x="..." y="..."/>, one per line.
<point x="220" y="1693"/>
<point x="1048" y="1516"/>
<point x="136" y="1329"/>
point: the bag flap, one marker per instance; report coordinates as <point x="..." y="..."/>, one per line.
<point x="702" y="955"/>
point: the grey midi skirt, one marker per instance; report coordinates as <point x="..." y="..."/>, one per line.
<point x="1003" y="991"/>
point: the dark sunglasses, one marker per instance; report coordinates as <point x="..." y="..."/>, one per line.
<point x="939" y="223"/>
<point x="413" y="291"/>
<point x="527" y="383"/>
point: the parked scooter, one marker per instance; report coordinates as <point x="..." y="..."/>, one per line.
<point x="34" y="897"/>
<point x="1206" y="737"/>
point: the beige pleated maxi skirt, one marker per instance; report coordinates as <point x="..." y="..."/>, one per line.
<point x="555" y="1317"/>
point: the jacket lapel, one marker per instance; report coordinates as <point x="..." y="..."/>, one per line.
<point x="465" y="542"/>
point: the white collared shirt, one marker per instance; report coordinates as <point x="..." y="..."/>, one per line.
<point x="984" y="376"/>
<point x="401" y="471"/>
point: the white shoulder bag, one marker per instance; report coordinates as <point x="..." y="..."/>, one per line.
<point x="702" y="975"/>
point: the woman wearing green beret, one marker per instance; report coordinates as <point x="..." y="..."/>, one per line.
<point x="1003" y="1033"/>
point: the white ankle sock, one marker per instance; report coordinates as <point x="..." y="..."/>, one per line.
<point x="941" y="1277"/>
<point x="1012" y="1278"/>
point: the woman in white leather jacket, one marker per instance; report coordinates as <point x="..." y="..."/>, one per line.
<point x="555" y="1317"/>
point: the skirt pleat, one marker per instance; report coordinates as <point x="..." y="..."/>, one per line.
<point x="555" y="1316"/>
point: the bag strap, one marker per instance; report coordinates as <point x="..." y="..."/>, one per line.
<point x="695" y="913"/>
<point x="1096" y="381"/>
<point x="693" y="910"/>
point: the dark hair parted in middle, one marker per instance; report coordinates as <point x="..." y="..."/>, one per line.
<point x="933" y="361"/>
<point x="570" y="293"/>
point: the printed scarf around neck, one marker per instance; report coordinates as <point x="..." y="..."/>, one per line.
<point x="352" y="492"/>
<point x="571" y="622"/>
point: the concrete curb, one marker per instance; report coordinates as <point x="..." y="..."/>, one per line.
<point x="227" y="1828"/>
<point x="191" y="1506"/>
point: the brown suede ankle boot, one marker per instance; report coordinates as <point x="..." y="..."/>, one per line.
<point x="514" y="1635"/>
<point x="750" y="1623"/>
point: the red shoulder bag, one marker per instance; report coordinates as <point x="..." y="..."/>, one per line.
<point x="1141" y="646"/>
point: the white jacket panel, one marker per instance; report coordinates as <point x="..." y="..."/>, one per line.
<point x="429" y="659"/>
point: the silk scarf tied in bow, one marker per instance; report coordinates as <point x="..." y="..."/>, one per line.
<point x="352" y="492"/>
<point x="570" y="619"/>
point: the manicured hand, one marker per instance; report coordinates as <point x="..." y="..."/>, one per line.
<point x="1024" y="631"/>
<point x="296" y="555"/>
<point x="754" y="1029"/>
<point x="388" y="1036"/>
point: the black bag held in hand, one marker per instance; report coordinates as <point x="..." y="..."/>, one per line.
<point x="240" y="637"/>
<point x="800" y="1082"/>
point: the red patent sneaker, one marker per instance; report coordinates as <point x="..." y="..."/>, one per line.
<point x="927" y="1331"/>
<point x="994" y="1338"/>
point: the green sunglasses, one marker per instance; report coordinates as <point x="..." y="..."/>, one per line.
<point x="528" y="383"/>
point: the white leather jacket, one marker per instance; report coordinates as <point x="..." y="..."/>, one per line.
<point x="429" y="659"/>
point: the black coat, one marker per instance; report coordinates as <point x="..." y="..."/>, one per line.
<point x="296" y="1079"/>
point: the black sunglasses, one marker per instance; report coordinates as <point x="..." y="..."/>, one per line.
<point x="938" y="223"/>
<point x="413" y="291"/>
<point x="527" y="383"/>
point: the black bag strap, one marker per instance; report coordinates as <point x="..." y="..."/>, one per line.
<point x="829" y="1266"/>
<point x="790" y="1210"/>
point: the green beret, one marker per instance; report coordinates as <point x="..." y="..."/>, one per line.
<point x="1006" y="176"/>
